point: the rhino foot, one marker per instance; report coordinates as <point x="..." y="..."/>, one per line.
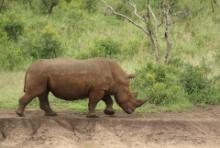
<point x="51" y="114"/>
<point x="19" y="113"/>
<point x="109" y="112"/>
<point x="90" y="115"/>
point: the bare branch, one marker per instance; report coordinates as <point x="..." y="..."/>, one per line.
<point x="152" y="29"/>
<point x="135" y="10"/>
<point x="153" y="15"/>
<point x="125" y="17"/>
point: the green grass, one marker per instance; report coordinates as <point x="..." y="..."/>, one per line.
<point x="196" y="41"/>
<point x="11" y="88"/>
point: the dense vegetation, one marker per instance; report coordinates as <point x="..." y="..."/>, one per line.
<point x="33" y="29"/>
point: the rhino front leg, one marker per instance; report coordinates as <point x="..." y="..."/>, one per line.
<point x="44" y="105"/>
<point x="109" y="103"/>
<point x="94" y="97"/>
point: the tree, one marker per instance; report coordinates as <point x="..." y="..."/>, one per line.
<point x="150" y="24"/>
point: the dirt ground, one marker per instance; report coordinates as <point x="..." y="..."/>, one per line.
<point x="197" y="129"/>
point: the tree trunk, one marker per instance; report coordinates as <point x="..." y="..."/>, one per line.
<point x="167" y="25"/>
<point x="152" y="33"/>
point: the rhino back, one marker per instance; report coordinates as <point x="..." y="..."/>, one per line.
<point x="72" y="79"/>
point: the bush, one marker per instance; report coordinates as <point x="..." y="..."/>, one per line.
<point x="194" y="79"/>
<point x="160" y="84"/>
<point x="105" y="48"/>
<point x="47" y="6"/>
<point x="12" y="25"/>
<point x="163" y="94"/>
<point x="47" y="46"/>
<point x="90" y="5"/>
<point x="152" y="73"/>
<point x="11" y="56"/>
<point x="199" y="88"/>
<point x="173" y="84"/>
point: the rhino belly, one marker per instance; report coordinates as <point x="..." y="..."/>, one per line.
<point x="69" y="87"/>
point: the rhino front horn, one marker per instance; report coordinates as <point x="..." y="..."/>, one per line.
<point x="140" y="102"/>
<point x="131" y="75"/>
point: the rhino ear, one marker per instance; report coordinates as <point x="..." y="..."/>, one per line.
<point x="131" y="75"/>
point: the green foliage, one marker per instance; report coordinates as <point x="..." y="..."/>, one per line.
<point x="194" y="79"/>
<point x="46" y="6"/>
<point x="199" y="88"/>
<point x="217" y="57"/>
<point x="45" y="47"/>
<point x="12" y="25"/>
<point x="77" y="33"/>
<point x="131" y="48"/>
<point x="163" y="94"/>
<point x="160" y="84"/>
<point x="123" y="7"/>
<point x="105" y="48"/>
<point x="151" y="73"/>
<point x="171" y="84"/>
<point x="90" y="5"/>
<point x="11" y="58"/>
<point x="13" y="29"/>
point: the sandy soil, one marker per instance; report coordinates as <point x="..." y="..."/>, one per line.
<point x="197" y="129"/>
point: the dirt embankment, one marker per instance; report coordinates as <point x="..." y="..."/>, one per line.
<point x="198" y="129"/>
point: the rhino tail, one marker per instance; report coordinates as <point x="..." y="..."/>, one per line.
<point x="25" y="79"/>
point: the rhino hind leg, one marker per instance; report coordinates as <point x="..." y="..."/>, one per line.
<point x="94" y="97"/>
<point x="44" y="105"/>
<point x="23" y="101"/>
<point x="109" y="103"/>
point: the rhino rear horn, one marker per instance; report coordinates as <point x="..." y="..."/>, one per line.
<point x="131" y="75"/>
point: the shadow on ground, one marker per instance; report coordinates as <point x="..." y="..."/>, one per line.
<point x="200" y="128"/>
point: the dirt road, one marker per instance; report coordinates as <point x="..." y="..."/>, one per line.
<point x="197" y="129"/>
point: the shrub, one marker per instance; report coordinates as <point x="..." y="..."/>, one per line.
<point x="13" y="29"/>
<point x="12" y="25"/>
<point x="105" y="48"/>
<point x="12" y="58"/>
<point x="47" y="6"/>
<point x="47" y="46"/>
<point x="194" y="79"/>
<point x="163" y="94"/>
<point x="160" y="84"/>
<point x="11" y="55"/>
<point x="199" y="88"/>
<point x="152" y="73"/>
<point x="90" y="5"/>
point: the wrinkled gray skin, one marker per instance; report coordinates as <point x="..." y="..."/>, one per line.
<point x="96" y="78"/>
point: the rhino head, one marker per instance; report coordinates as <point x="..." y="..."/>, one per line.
<point x="125" y="98"/>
